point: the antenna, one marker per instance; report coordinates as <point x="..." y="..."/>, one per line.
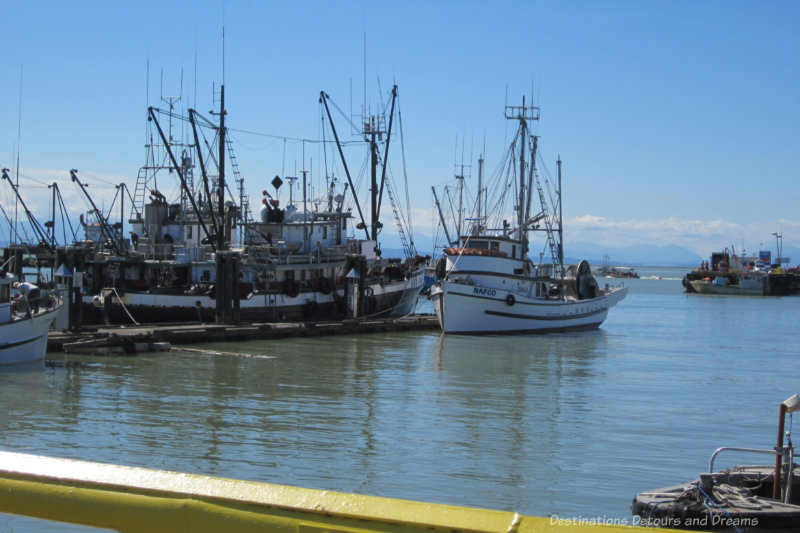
<point x="19" y="136"/>
<point x="364" y="108"/>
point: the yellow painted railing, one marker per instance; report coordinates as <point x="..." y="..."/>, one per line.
<point x="141" y="500"/>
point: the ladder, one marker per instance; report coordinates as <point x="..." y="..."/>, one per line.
<point x="551" y="240"/>
<point x="407" y="248"/>
<point x="244" y="201"/>
<point x="111" y="275"/>
<point x="139" y="192"/>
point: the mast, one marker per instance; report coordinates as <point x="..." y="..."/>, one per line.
<point x="373" y="147"/>
<point x="523" y="114"/>
<point x="480" y="191"/>
<point x="221" y="206"/>
<point x="560" y="224"/>
<point x="460" y="203"/>
<point x="523" y="133"/>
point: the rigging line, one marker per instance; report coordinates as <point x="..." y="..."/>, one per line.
<point x="97" y="178"/>
<point x="65" y="216"/>
<point x="353" y="126"/>
<point x="278" y="137"/>
<point x="283" y="163"/>
<point x="240" y="143"/>
<point x="30" y="178"/>
<point x="405" y="170"/>
<point x="324" y="146"/>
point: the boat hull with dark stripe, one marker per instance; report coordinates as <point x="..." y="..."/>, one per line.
<point x="475" y="309"/>
<point x="24" y="340"/>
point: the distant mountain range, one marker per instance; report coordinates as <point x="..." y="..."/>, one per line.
<point x="634" y="255"/>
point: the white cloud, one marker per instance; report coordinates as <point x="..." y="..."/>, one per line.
<point x="700" y="236"/>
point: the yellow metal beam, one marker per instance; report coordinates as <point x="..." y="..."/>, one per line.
<point x="138" y="500"/>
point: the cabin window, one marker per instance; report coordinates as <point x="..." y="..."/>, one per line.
<point x="513" y="250"/>
<point x="324" y="232"/>
<point x="495" y="246"/>
<point x="479" y="244"/>
<point x="189" y="232"/>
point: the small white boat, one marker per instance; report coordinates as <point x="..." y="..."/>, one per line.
<point x="23" y="335"/>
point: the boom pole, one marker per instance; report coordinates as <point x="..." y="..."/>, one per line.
<point x="104" y="227"/>
<point x="203" y="170"/>
<point x="324" y="99"/>
<point x="34" y="223"/>
<point x="180" y="174"/>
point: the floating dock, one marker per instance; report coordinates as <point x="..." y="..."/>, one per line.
<point x="132" y="339"/>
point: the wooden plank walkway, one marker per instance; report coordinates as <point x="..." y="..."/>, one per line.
<point x="148" y="337"/>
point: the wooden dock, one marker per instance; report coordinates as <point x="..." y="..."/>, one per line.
<point x="119" y="340"/>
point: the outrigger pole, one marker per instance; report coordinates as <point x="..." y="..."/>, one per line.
<point x="101" y="219"/>
<point x="324" y="99"/>
<point x="441" y="217"/>
<point x="35" y="223"/>
<point x="180" y="173"/>
<point x="385" y="160"/>
<point x="203" y="171"/>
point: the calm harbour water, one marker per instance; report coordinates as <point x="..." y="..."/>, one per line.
<point x="572" y="425"/>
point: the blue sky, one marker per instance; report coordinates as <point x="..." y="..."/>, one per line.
<point x="677" y="121"/>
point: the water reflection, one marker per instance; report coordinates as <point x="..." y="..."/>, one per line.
<point x="567" y="423"/>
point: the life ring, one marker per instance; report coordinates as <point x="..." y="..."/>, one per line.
<point x="291" y="288"/>
<point x="510" y="300"/>
<point x="441" y="268"/>
<point x="325" y="285"/>
<point x="310" y="308"/>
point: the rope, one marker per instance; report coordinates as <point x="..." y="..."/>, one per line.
<point x="119" y="298"/>
<point x="708" y="498"/>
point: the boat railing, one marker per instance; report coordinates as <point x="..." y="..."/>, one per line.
<point x="787" y="457"/>
<point x="47" y="300"/>
<point x="782" y="453"/>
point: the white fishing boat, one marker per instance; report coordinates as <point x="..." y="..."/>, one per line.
<point x="289" y="263"/>
<point x="23" y="334"/>
<point x="488" y="284"/>
<point x="751" y="283"/>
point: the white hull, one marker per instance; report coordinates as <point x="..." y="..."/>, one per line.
<point x="750" y="285"/>
<point x="23" y="340"/>
<point x="463" y="308"/>
<point x="394" y="298"/>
